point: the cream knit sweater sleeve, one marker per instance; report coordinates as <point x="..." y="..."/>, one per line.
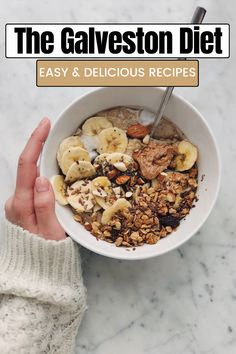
<point x="42" y="297"/>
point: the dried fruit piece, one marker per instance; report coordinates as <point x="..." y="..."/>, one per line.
<point x="169" y="220"/>
<point x="138" y="131"/>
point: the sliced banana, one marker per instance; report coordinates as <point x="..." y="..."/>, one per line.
<point x="119" y="157"/>
<point x="59" y="188"/>
<point x="120" y="204"/>
<point x="101" y="189"/>
<point x="95" y="125"/>
<point x="67" y="143"/>
<point x="100" y="159"/>
<point x="188" y="156"/>
<point x="112" y="140"/>
<point x="80" y="196"/>
<point x="119" y="160"/>
<point x="80" y="170"/>
<point x="72" y="155"/>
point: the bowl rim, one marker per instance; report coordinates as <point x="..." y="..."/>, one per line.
<point x="190" y="234"/>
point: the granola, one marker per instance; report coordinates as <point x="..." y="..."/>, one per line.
<point x="123" y="186"/>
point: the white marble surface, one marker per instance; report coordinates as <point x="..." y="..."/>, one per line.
<point x="183" y="302"/>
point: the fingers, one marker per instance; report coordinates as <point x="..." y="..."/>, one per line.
<point x="38" y="171"/>
<point x="44" y="205"/>
<point x="8" y="208"/>
<point x="27" y="164"/>
<point x="20" y="213"/>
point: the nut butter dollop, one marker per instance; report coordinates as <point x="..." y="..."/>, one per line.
<point x="154" y="158"/>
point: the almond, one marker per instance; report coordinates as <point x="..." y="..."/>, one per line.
<point x="112" y="174"/>
<point x="122" y="179"/>
<point x="138" y="131"/>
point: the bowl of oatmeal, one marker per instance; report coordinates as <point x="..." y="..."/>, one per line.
<point x="121" y="193"/>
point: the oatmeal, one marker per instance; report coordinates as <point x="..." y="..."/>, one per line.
<point x="123" y="186"/>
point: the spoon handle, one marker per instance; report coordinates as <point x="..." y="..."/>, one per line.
<point x="198" y="17"/>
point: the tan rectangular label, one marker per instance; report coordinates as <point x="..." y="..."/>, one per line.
<point x="117" y="73"/>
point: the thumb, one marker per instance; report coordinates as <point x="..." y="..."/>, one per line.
<point x="44" y="205"/>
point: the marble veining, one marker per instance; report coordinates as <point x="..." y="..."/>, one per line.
<point x="180" y="303"/>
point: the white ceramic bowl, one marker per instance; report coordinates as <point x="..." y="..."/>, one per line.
<point x="185" y="116"/>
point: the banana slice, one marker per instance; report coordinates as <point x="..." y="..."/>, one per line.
<point x="59" y="188"/>
<point x="102" y="191"/>
<point x="80" y="170"/>
<point x="120" y="204"/>
<point x="67" y="143"/>
<point x="71" y="155"/>
<point x="188" y="156"/>
<point x="119" y="157"/>
<point x="95" y="125"/>
<point x="112" y="140"/>
<point x="100" y="159"/>
<point x="80" y="196"/>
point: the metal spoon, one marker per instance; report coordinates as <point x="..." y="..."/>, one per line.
<point x="198" y="17"/>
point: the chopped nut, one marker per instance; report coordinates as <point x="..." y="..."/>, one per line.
<point x="151" y="238"/>
<point x="144" y="217"/>
<point x="192" y="182"/>
<point x="151" y="190"/>
<point x="122" y="179"/>
<point x="128" y="194"/>
<point x="78" y="217"/>
<point x="107" y="233"/>
<point x="146" y="139"/>
<point x="172" y="211"/>
<point x="88" y="226"/>
<point x="95" y="226"/>
<point x="124" y="243"/>
<point x="120" y="166"/>
<point x="117" y="225"/>
<point x="118" y="241"/>
<point x="170" y="197"/>
<point x="134" y="235"/>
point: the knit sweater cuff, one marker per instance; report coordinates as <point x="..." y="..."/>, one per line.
<point x="28" y="258"/>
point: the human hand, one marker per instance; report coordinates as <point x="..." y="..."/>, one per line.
<point x="32" y="206"/>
